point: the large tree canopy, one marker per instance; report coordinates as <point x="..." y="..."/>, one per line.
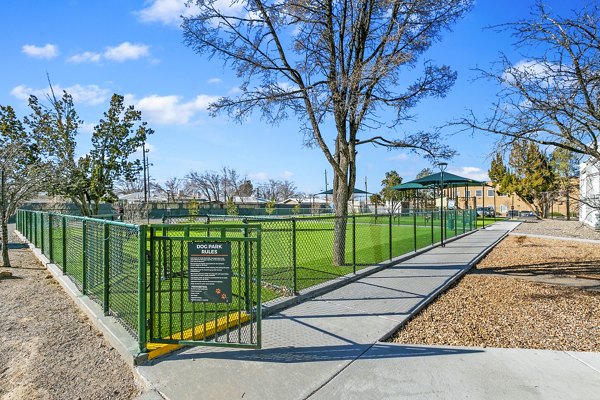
<point x="551" y="96"/>
<point x="91" y="179"/>
<point x="337" y="66"/>
<point x="529" y="175"/>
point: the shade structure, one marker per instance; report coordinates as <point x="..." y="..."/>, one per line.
<point x="355" y="191"/>
<point x="408" y="186"/>
<point x="449" y="180"/>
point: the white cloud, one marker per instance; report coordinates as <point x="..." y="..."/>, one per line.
<point x="215" y="81"/>
<point x="471" y="172"/>
<point x="167" y="12"/>
<point x="87" y="128"/>
<point x="258" y="176"/>
<point x="126" y="51"/>
<point x="86" y="56"/>
<point x="287" y="175"/>
<point x="48" y="51"/>
<point x="170" y="109"/>
<point x="89" y="94"/>
<point x="399" y="157"/>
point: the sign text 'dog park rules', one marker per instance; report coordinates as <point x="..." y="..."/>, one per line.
<point x="209" y="272"/>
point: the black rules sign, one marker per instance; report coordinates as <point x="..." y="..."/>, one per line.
<point x="209" y="272"/>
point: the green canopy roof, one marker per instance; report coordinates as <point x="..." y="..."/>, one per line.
<point x="409" y="186"/>
<point x="449" y="180"/>
<point x="356" y="191"/>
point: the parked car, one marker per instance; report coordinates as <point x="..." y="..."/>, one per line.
<point x="527" y="214"/>
<point x="486" y="211"/>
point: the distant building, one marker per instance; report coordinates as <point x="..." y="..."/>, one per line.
<point x="488" y="196"/>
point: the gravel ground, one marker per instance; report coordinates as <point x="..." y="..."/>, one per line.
<point x="558" y="227"/>
<point x="505" y="309"/>
<point x="48" y="348"/>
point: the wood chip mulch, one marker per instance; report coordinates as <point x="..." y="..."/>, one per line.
<point x="505" y="310"/>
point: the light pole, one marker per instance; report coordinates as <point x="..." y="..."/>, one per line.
<point x="442" y="166"/>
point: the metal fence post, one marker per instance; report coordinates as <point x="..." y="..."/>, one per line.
<point x="106" y="269"/>
<point x="84" y="252"/>
<point x="42" y="234"/>
<point x="142" y="288"/>
<point x="390" y="234"/>
<point x="463" y="218"/>
<point x="64" y="244"/>
<point x="50" y="241"/>
<point x="354" y="243"/>
<point x="415" y="228"/>
<point x="455" y="222"/>
<point x="432" y="232"/>
<point x="247" y="294"/>
<point x="294" y="256"/>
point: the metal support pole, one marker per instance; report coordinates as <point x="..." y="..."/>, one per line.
<point x="390" y="233"/>
<point x="106" y="269"/>
<point x="142" y="326"/>
<point x="64" y="244"/>
<point x="354" y="244"/>
<point x="84" y="282"/>
<point x="415" y="228"/>
<point x="294" y="256"/>
<point x="50" y="252"/>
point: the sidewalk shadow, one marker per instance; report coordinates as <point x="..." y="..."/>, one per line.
<point x="291" y="355"/>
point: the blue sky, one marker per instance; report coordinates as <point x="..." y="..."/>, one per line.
<point x="94" y="48"/>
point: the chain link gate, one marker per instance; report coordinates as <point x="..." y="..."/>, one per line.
<point x="205" y="285"/>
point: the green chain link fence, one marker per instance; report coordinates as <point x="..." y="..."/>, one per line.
<point x="102" y="258"/>
<point x="297" y="253"/>
<point x="107" y="260"/>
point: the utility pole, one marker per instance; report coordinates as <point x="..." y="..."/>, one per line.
<point x="146" y="166"/>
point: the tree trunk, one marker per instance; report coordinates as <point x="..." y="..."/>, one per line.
<point x="5" y="258"/>
<point x="568" y="194"/>
<point x="340" y="202"/>
<point x="4" y="220"/>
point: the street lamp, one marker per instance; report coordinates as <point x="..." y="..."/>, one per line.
<point x="442" y="166"/>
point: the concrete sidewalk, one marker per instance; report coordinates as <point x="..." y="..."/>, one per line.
<point x="330" y="347"/>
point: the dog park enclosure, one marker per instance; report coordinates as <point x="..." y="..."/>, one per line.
<point x="140" y="274"/>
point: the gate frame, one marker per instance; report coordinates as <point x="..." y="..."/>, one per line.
<point x="152" y="239"/>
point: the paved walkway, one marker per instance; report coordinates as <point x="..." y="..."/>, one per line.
<point x="330" y="348"/>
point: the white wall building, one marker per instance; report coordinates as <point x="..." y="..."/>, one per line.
<point x="589" y="186"/>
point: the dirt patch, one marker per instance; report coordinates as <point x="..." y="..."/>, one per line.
<point x="505" y="310"/>
<point x="48" y="348"/>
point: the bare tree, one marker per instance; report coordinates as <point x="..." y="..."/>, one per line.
<point x="344" y="67"/>
<point x="207" y="184"/>
<point x="21" y="172"/>
<point x="551" y="96"/>
<point x="286" y="189"/>
<point x="124" y="186"/>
